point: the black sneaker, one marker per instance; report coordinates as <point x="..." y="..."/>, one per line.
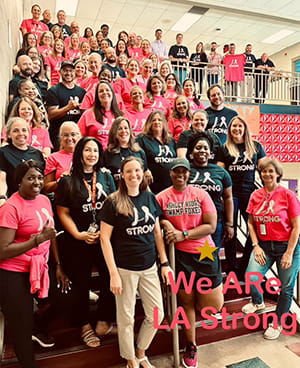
<point x="43" y="339"/>
<point x="190" y="356"/>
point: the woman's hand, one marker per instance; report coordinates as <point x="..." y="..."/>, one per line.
<point x="286" y="260"/>
<point x="165" y="271"/>
<point x="62" y="280"/>
<point x="173" y="236"/>
<point x="148" y="177"/>
<point x="259" y="255"/>
<point x="48" y="233"/>
<point x="89" y="238"/>
<point x="229" y="232"/>
<point x="116" y="284"/>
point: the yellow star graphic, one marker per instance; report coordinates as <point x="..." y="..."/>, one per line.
<point x="206" y="251"/>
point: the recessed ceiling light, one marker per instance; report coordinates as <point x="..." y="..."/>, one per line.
<point x="189" y="18"/>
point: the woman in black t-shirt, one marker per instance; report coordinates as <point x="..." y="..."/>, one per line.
<point x="80" y="197"/>
<point x="240" y="156"/>
<point x="130" y="237"/>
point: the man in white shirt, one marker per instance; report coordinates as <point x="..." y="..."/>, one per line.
<point x="158" y="46"/>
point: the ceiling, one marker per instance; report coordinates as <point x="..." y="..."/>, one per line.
<point x="240" y="21"/>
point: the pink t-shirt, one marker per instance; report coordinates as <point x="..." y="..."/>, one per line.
<point x="194" y="106"/>
<point x="59" y="162"/>
<point x="28" y="217"/>
<point x="234" y="67"/>
<point x="89" y="83"/>
<point x="40" y="139"/>
<point x="123" y="87"/>
<point x="135" y="53"/>
<point x="90" y="127"/>
<point x="73" y="54"/>
<point x="171" y="95"/>
<point x="176" y="127"/>
<point x="159" y="103"/>
<point x="34" y="26"/>
<point x="54" y="64"/>
<point x="45" y="51"/>
<point x="137" y="119"/>
<point x="81" y="39"/>
<point x="272" y="213"/>
<point x="185" y="210"/>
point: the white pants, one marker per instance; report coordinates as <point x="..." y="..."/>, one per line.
<point x="148" y="285"/>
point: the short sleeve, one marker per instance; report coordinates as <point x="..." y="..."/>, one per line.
<point x="8" y="216"/>
<point x="63" y="199"/>
<point x="108" y="212"/>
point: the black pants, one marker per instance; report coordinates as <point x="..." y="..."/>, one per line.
<point x="77" y="259"/>
<point x="17" y="305"/>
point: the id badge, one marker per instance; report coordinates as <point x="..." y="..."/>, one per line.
<point x="263" y="229"/>
<point x="93" y="228"/>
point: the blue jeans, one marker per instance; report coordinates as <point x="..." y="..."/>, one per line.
<point x="274" y="251"/>
<point x="218" y="235"/>
<point x="181" y="73"/>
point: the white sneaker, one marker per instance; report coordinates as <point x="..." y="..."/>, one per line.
<point x="252" y="308"/>
<point x="272" y="333"/>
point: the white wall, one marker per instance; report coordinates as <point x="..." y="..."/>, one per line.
<point x="284" y="59"/>
<point x="11" y="15"/>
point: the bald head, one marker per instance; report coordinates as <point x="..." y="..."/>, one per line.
<point x="110" y="55"/>
<point x="25" y="65"/>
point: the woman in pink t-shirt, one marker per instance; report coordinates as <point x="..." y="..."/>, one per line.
<point x="97" y="121"/>
<point x="59" y="163"/>
<point x="26" y="232"/>
<point x="189" y="90"/>
<point x="54" y="61"/>
<point x="46" y="43"/>
<point x="173" y="88"/>
<point x="189" y="220"/>
<point x="181" y="118"/>
<point x="154" y="95"/>
<point x="73" y="51"/>
<point x="274" y="226"/>
<point x="39" y="138"/>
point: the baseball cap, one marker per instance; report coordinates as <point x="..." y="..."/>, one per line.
<point x="180" y="162"/>
<point x="67" y="63"/>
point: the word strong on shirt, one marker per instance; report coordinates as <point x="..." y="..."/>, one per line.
<point x="143" y="224"/>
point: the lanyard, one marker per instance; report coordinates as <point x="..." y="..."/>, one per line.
<point x="92" y="192"/>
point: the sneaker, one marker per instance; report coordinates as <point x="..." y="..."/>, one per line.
<point x="272" y="333"/>
<point x="43" y="339"/>
<point x="190" y="356"/>
<point x="252" y="308"/>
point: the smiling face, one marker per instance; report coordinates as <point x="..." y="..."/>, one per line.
<point x="179" y="176"/>
<point x="79" y="69"/>
<point x="199" y="122"/>
<point x="269" y="176"/>
<point x="137" y="95"/>
<point x="90" y="156"/>
<point x="123" y="133"/>
<point x="105" y="94"/>
<point x="201" y="152"/>
<point x="181" y="105"/>
<point x="165" y="70"/>
<point x="189" y="88"/>
<point x="216" y="98"/>
<point x="157" y="125"/>
<point x="237" y="131"/>
<point x="121" y="46"/>
<point x="70" y="135"/>
<point x="36" y="12"/>
<point x="19" y="134"/>
<point x="156" y="86"/>
<point x="132" y="174"/>
<point x="133" y="68"/>
<point x="28" y="89"/>
<point x="67" y="74"/>
<point x="31" y="184"/>
<point x="25" y="111"/>
<point x="171" y="82"/>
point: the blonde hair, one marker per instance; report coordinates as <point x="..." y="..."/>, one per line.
<point x="249" y="142"/>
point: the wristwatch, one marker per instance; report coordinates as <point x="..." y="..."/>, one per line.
<point x="185" y="234"/>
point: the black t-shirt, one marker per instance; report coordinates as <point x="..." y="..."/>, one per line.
<point x="178" y="52"/>
<point x="14" y="84"/>
<point x="11" y="157"/>
<point x="115" y="70"/>
<point x="132" y="237"/>
<point x="213" y="179"/>
<point x="159" y="158"/>
<point x="112" y="161"/>
<point x="197" y="58"/>
<point x="250" y="63"/>
<point x="66" y="30"/>
<point x="59" y="95"/>
<point x="259" y="62"/>
<point x="184" y="138"/>
<point x="241" y="169"/>
<point x="218" y="121"/>
<point x="79" y="203"/>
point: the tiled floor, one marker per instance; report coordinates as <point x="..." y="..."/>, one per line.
<point x="217" y="355"/>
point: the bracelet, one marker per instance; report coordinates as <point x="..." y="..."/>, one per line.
<point x="58" y="263"/>
<point x="229" y="224"/>
<point x="165" y="264"/>
<point x="254" y="244"/>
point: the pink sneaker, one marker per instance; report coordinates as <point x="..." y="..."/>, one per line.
<point x="190" y="356"/>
